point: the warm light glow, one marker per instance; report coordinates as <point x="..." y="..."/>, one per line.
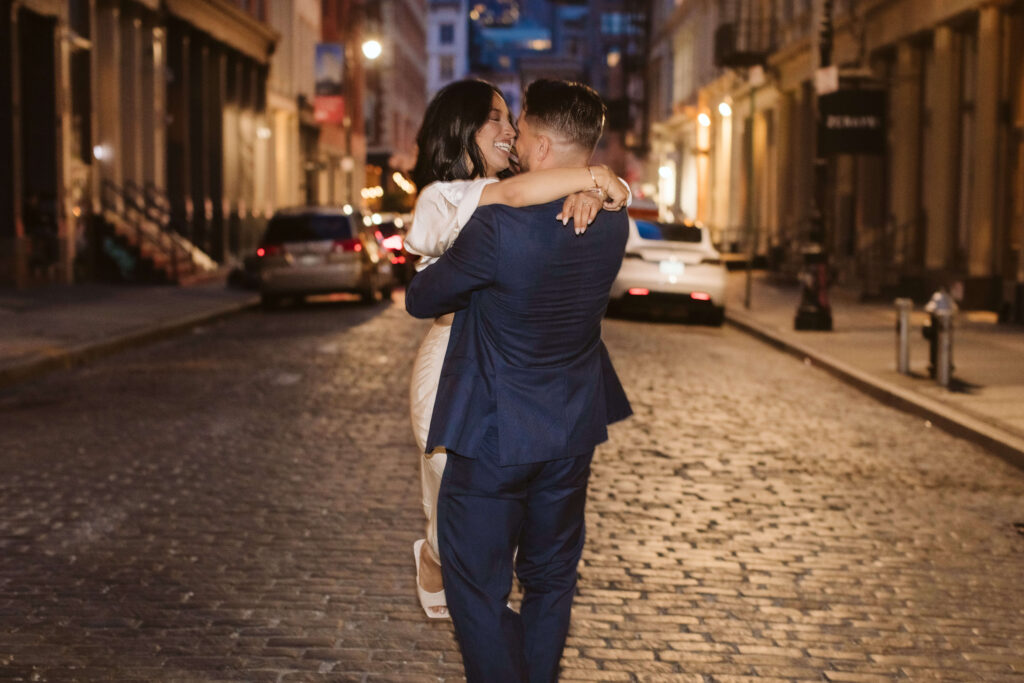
<point x="261" y="252"/>
<point x="367" y="221"/>
<point x="725" y="110"/>
<point x="613" y="59"/>
<point x="665" y="171"/>
<point x="375" y="192"/>
<point x="372" y="49"/>
<point x="347" y="209"/>
<point x="704" y="120"/>
<point x="639" y="291"/>
<point x="101" y="152"/>
<point x="407" y="185"/>
<point x="399" y="223"/>
<point x="377" y="220"/>
<point x="394" y="242"/>
<point x="263" y="133"/>
<point x="700" y="296"/>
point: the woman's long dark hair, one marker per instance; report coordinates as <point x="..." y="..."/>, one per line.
<point x="448" y="133"/>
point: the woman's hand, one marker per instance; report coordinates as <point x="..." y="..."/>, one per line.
<point x="613" y="191"/>
<point x="582" y="208"/>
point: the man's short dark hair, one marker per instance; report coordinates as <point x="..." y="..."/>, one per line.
<point x="573" y="109"/>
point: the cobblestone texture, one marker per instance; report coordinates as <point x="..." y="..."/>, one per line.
<point x="240" y="504"/>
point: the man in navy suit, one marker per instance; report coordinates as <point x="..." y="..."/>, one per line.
<point x="527" y="391"/>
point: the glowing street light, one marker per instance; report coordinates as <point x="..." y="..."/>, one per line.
<point x="704" y="120"/>
<point x="725" y="110"/>
<point x="372" y="49"/>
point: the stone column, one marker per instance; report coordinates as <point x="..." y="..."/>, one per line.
<point x="153" y="105"/>
<point x="904" y="150"/>
<point x="107" y="85"/>
<point x="132" y="150"/>
<point x="981" y="240"/>
<point x="13" y="247"/>
<point x="941" y="173"/>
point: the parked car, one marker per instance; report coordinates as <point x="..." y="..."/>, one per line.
<point x="391" y="235"/>
<point x="671" y="265"/>
<point x="319" y="250"/>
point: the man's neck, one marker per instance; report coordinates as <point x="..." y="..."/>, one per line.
<point x="564" y="161"/>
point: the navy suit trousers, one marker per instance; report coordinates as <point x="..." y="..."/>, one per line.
<point x="484" y="512"/>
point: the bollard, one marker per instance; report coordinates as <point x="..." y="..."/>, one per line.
<point x="903" y="308"/>
<point x="944" y="347"/>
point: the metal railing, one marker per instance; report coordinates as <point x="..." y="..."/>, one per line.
<point x="146" y="211"/>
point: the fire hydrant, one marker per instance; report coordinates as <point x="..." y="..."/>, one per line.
<point x="939" y="333"/>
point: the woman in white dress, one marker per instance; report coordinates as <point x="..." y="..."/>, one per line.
<point x="465" y="141"/>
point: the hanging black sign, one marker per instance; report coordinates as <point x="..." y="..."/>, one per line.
<point x="852" y="122"/>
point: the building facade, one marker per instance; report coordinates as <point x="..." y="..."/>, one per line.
<point x="940" y="204"/>
<point x="447" y="43"/>
<point x="396" y="98"/>
<point x="129" y="129"/>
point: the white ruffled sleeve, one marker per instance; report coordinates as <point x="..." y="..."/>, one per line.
<point x="442" y="210"/>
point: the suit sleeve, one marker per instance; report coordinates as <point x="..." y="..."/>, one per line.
<point x="469" y="265"/>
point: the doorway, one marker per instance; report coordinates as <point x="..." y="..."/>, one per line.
<point x="38" y="135"/>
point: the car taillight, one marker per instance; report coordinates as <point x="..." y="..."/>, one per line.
<point x="394" y="243"/>
<point x="700" y="296"/>
<point x="398" y="260"/>
<point x="639" y="291"/>
<point x="269" y="250"/>
<point x="348" y="245"/>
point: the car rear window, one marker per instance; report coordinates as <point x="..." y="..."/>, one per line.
<point x="308" y="228"/>
<point x="671" y="232"/>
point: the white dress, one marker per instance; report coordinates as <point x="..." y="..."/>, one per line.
<point x="442" y="209"/>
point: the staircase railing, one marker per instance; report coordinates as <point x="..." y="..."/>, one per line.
<point x="135" y="206"/>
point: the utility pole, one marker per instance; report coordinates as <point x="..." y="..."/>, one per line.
<point x="755" y="78"/>
<point x="815" y="311"/>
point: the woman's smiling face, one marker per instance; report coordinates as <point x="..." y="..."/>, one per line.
<point x="496" y="137"/>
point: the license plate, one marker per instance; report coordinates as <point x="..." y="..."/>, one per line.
<point x="311" y="259"/>
<point x="671" y="268"/>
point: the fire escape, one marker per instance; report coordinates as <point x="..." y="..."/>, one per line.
<point x="745" y="35"/>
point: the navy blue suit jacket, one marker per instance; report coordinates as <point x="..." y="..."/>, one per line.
<point x="526" y="377"/>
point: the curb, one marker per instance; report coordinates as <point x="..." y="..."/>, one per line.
<point x="1003" y="444"/>
<point x="86" y="352"/>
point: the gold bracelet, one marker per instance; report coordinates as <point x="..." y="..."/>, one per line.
<point x="597" y="187"/>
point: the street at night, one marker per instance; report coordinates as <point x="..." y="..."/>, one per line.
<point x="240" y="503"/>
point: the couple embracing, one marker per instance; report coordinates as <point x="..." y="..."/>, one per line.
<point x="517" y="273"/>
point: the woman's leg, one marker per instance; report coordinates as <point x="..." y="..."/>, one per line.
<point x="431" y="471"/>
<point x="426" y="374"/>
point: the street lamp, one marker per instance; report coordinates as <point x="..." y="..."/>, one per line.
<point x="372" y="49"/>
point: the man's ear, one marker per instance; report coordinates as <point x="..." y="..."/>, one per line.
<point x="543" y="147"/>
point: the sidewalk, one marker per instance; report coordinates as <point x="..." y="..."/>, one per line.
<point x="986" y="400"/>
<point x="61" y="326"/>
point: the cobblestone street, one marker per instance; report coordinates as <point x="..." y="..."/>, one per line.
<point x="240" y="503"/>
